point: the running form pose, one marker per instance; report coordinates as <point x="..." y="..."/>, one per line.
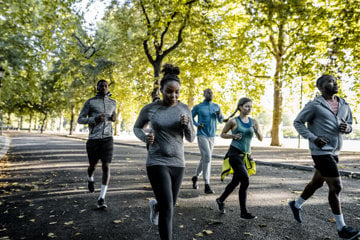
<point x="327" y="117"/>
<point x="208" y="114"/>
<point x="170" y="121"/>
<point x="99" y="113"/>
<point x="242" y="131"/>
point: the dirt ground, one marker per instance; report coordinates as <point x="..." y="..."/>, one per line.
<point x="43" y="195"/>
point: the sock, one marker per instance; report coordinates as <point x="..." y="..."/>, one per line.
<point x="103" y="191"/>
<point x="299" y="202"/>
<point x="90" y="179"/>
<point x="339" y="221"/>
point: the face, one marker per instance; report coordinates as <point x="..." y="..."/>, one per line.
<point x="171" y="92"/>
<point x="103" y="88"/>
<point x="329" y="86"/>
<point x="208" y="94"/>
<point x="246" y="108"/>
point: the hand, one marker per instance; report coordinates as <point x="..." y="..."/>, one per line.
<point x="237" y="136"/>
<point x="113" y="117"/>
<point x="217" y="113"/>
<point x="201" y="126"/>
<point x="184" y="119"/>
<point x="150" y="138"/>
<point x="100" y="118"/>
<point x="321" y="141"/>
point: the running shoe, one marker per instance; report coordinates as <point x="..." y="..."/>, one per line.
<point x="101" y="204"/>
<point x="220" y="206"/>
<point x="91" y="186"/>
<point x="194" y="180"/>
<point x="247" y="216"/>
<point x="208" y="189"/>
<point x="296" y="211"/>
<point x="154" y="216"/>
<point x="348" y="233"/>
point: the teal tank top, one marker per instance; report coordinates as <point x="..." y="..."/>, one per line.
<point x="247" y="131"/>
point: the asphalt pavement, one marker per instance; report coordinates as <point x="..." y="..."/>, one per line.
<point x="43" y="195"/>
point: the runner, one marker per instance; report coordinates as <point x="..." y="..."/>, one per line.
<point x="242" y="130"/>
<point x="99" y="112"/>
<point x="207" y="114"/>
<point x="170" y="122"/>
<point x="327" y="117"/>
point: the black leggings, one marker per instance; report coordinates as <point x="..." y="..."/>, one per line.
<point x="240" y="176"/>
<point x="165" y="182"/>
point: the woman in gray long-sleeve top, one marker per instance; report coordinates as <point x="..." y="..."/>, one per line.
<point x="170" y="122"/>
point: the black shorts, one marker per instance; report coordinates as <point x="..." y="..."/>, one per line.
<point x="100" y="149"/>
<point x="326" y="165"/>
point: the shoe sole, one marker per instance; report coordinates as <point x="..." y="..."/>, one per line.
<point x="101" y="207"/>
<point x="353" y="238"/>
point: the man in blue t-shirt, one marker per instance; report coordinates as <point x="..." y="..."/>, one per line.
<point x="208" y="113"/>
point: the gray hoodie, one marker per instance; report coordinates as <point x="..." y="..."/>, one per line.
<point x="94" y="107"/>
<point x="322" y="122"/>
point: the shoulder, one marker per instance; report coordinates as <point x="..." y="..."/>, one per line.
<point x="112" y="100"/>
<point x="183" y="105"/>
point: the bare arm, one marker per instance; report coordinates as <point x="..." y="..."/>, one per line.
<point x="228" y="126"/>
<point x="257" y="130"/>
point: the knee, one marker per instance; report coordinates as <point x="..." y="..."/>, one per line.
<point x="316" y="185"/>
<point x="106" y="168"/>
<point x="336" y="187"/>
<point x="245" y="182"/>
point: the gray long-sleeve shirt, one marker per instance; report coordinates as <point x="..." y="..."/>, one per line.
<point x="94" y="107"/>
<point x="323" y="122"/>
<point x="168" y="146"/>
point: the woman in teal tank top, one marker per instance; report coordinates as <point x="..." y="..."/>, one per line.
<point x="242" y="130"/>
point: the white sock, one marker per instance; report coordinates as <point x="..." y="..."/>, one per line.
<point x="299" y="202"/>
<point x="103" y="191"/>
<point x="90" y="179"/>
<point x="340" y="223"/>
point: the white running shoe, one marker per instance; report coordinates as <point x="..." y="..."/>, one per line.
<point x="154" y="216"/>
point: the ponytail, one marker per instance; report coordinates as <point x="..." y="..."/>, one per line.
<point x="241" y="102"/>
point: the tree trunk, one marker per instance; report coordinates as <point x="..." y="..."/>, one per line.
<point x="42" y="129"/>
<point x="72" y="120"/>
<point x="30" y="121"/>
<point x="277" y="112"/>
<point x="155" y="95"/>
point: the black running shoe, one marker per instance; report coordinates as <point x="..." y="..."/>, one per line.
<point x="296" y="211"/>
<point x="208" y="189"/>
<point x="220" y="206"/>
<point x="101" y="204"/>
<point x="194" y="180"/>
<point x="348" y="233"/>
<point x="91" y="186"/>
<point x="247" y="216"/>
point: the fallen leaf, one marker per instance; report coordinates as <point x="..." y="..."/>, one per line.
<point x="69" y="223"/>
<point x="117" y="221"/>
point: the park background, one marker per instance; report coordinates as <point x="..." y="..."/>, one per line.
<point x="53" y="52"/>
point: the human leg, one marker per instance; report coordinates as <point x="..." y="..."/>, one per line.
<point x="161" y="182"/>
<point x="235" y="162"/>
<point x="93" y="157"/>
<point x="106" y="152"/>
<point x="205" y="146"/>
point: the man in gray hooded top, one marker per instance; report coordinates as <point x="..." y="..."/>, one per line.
<point x="99" y="112"/>
<point x="327" y="117"/>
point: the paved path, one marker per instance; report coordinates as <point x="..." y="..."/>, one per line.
<point x="43" y="196"/>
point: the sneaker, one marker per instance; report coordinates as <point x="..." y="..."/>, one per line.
<point x="296" y="211"/>
<point x="154" y="216"/>
<point x="348" y="233"/>
<point x="194" y="180"/>
<point x="101" y="204"/>
<point x="91" y="186"/>
<point x="208" y="190"/>
<point x="247" y="216"/>
<point x="220" y="206"/>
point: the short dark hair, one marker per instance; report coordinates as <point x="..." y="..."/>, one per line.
<point x="101" y="80"/>
<point x="322" y="79"/>
<point x="171" y="73"/>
